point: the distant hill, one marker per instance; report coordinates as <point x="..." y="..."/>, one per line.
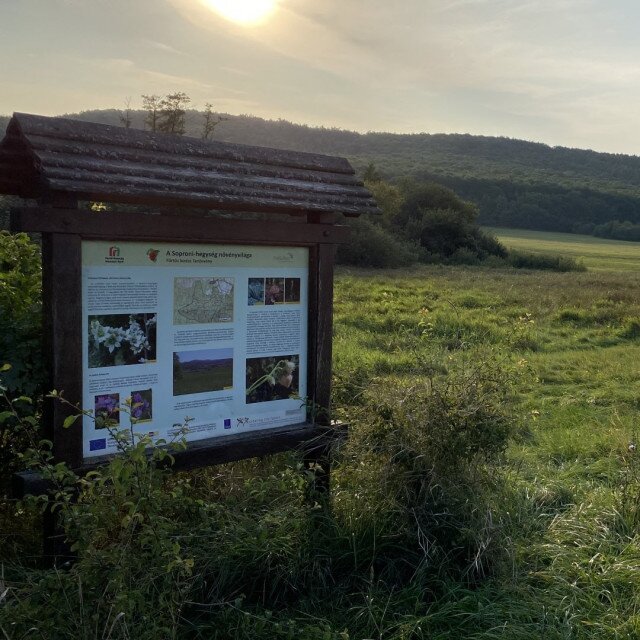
<point x="513" y="182"/>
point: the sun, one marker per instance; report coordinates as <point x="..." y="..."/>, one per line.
<point x="245" y="12"/>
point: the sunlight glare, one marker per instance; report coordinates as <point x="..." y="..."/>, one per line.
<point x="245" y="12"/>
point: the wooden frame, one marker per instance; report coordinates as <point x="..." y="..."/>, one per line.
<point x="63" y="231"/>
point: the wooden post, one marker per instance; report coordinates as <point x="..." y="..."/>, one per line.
<point x="318" y="458"/>
<point x="62" y="323"/>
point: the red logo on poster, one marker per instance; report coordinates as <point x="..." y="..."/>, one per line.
<point x="153" y="254"/>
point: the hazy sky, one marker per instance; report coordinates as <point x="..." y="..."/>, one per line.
<point x="565" y="72"/>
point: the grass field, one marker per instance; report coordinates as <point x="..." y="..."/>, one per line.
<point x="574" y="531"/>
<point x="597" y="254"/>
<point x="426" y="539"/>
<point x="215" y="379"/>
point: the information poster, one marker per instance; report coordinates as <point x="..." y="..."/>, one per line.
<point x="214" y="336"/>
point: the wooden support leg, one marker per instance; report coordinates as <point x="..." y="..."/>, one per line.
<point x="55" y="550"/>
<point x="318" y="458"/>
<point x="318" y="472"/>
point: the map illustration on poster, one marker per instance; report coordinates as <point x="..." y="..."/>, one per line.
<point x="216" y="334"/>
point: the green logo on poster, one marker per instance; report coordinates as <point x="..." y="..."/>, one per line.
<point x="152" y="254"/>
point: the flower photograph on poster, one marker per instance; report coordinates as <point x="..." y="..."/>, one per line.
<point x="122" y="339"/>
<point x="272" y="378"/>
<point x="141" y="405"/>
<point x="107" y="410"/>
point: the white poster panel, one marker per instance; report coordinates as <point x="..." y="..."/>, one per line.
<point x="214" y="336"/>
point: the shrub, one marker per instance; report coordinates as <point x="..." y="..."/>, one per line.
<point x="129" y="528"/>
<point x="20" y="312"/>
<point x="372" y="246"/>
<point x="444" y="225"/>
<point x="20" y="343"/>
<point x="524" y="260"/>
<point x="631" y="330"/>
<point x="429" y="447"/>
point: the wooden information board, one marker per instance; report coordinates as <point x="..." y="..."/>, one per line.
<point x="210" y="305"/>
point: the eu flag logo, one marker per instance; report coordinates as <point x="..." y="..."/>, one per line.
<point x="97" y="445"/>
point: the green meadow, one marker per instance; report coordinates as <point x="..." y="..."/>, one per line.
<point x="489" y="488"/>
<point x="202" y="381"/>
<point x="598" y="254"/>
<point x="571" y="344"/>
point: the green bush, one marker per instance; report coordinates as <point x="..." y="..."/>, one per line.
<point x="524" y="260"/>
<point x="631" y="330"/>
<point x="444" y="225"/>
<point x="429" y="449"/>
<point x="129" y="523"/>
<point x="20" y="344"/>
<point x="21" y="313"/>
<point x="372" y="246"/>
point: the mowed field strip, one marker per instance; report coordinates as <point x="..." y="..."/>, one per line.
<point x="598" y="254"/>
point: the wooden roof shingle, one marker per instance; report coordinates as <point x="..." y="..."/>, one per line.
<point x="41" y="156"/>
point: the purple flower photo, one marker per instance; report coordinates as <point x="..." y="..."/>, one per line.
<point x="107" y="410"/>
<point x="141" y="405"/>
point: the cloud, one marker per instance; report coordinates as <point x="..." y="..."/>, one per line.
<point x="165" y="48"/>
<point x="137" y="73"/>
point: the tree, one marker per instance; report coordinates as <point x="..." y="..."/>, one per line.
<point x="371" y="174"/>
<point x="420" y="197"/>
<point x="177" y="367"/>
<point x="151" y="104"/>
<point x="125" y="116"/>
<point x="211" y="121"/>
<point x="389" y="199"/>
<point x="444" y="224"/>
<point x="173" y="108"/>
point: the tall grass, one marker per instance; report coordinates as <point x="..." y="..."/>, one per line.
<point x="489" y="487"/>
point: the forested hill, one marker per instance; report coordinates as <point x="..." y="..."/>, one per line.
<point x="515" y="183"/>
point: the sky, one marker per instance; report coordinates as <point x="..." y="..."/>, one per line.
<point x="564" y="72"/>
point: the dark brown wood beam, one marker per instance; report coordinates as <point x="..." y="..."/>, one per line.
<point x="62" y="312"/>
<point x="110" y="225"/>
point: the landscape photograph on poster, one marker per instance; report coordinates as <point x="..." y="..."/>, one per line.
<point x="202" y="371"/>
<point x="202" y="300"/>
<point x="121" y="339"/>
<point x="272" y="378"/>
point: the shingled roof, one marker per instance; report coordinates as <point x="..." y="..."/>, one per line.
<point x="42" y="156"/>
